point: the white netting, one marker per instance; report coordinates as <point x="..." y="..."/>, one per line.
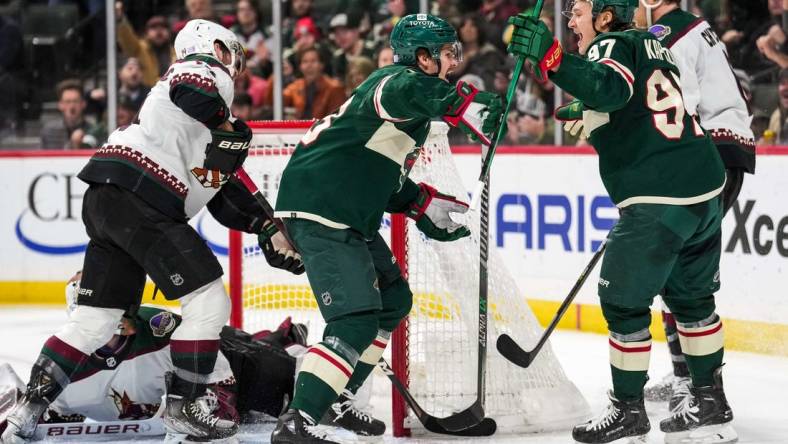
<point x="443" y="322"/>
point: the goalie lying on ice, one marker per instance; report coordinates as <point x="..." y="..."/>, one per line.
<point x="124" y="380"/>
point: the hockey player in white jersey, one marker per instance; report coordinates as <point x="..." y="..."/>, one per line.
<point x="713" y="94"/>
<point x="178" y="156"/>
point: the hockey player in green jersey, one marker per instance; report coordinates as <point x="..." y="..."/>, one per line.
<point x="705" y="72"/>
<point x="665" y="175"/>
<point x="348" y="169"/>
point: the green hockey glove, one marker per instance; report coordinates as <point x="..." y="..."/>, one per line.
<point x="477" y="113"/>
<point x="572" y="115"/>
<point x="277" y="249"/>
<point x="533" y="40"/>
<point x="431" y="211"/>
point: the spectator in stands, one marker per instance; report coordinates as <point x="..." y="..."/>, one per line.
<point x="743" y="43"/>
<point x="527" y="125"/>
<point x="131" y="86"/>
<point x="73" y="131"/>
<point x="447" y="10"/>
<point x="251" y="35"/>
<point x="358" y="69"/>
<point x="257" y="88"/>
<point x="307" y="35"/>
<point x="200" y="9"/>
<point x="385" y="56"/>
<point x="480" y="57"/>
<point x="299" y="9"/>
<point x="778" y="123"/>
<point x="395" y="9"/>
<point x="242" y="106"/>
<point x="345" y="29"/>
<point x="127" y="111"/>
<point x="154" y="51"/>
<point x="315" y="95"/>
<point x="11" y="66"/>
<point x="772" y="45"/>
<point x="496" y="14"/>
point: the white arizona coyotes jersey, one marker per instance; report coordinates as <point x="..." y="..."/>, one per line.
<point x="708" y="84"/>
<point x="173" y="142"/>
<point x="135" y="387"/>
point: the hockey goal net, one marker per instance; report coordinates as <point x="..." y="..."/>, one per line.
<point x="435" y="350"/>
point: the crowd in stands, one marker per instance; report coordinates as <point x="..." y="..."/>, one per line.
<point x="54" y="96"/>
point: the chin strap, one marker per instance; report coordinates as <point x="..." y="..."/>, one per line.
<point x="650" y="7"/>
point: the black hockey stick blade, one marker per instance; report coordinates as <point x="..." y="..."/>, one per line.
<point x="513" y="352"/>
<point x="460" y="420"/>
<point x="485" y="428"/>
<point x="473" y="427"/>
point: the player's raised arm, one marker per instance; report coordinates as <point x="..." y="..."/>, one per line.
<point x="603" y="80"/>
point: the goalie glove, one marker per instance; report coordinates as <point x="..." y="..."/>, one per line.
<point x="477" y="113"/>
<point x="431" y="211"/>
<point x="572" y="115"/>
<point x="277" y="249"/>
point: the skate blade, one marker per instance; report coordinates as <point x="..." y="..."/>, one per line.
<point x="182" y="438"/>
<point x="640" y="439"/>
<point x="713" y="434"/>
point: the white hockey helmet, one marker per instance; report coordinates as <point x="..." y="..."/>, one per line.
<point x="198" y="37"/>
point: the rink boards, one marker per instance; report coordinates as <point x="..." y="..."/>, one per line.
<point x="548" y="209"/>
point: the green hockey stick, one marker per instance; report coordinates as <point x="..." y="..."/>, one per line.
<point x="488" y="158"/>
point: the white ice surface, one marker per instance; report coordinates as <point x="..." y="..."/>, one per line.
<point x="756" y="385"/>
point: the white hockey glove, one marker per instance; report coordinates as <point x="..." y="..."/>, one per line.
<point x="431" y="211"/>
<point x="278" y="251"/>
<point x="572" y="115"/>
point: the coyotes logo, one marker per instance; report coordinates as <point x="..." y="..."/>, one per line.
<point x="210" y="178"/>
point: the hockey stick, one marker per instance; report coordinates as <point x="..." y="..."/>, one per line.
<point x="481" y="183"/>
<point x="436" y="425"/>
<point x="465" y="423"/>
<point x="242" y="175"/>
<point x="475" y="413"/>
<point x="514" y="353"/>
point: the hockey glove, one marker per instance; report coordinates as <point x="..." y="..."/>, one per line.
<point x="228" y="149"/>
<point x="477" y="113"/>
<point x="277" y="249"/>
<point x="431" y="211"/>
<point x="533" y="40"/>
<point x="572" y="115"/>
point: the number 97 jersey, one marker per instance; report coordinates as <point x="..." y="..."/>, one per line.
<point x="650" y="149"/>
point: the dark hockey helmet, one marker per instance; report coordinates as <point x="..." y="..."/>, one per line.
<point x="624" y="10"/>
<point x="426" y="31"/>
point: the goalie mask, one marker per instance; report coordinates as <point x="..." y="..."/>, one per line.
<point x="199" y="36"/>
<point x="422" y="31"/>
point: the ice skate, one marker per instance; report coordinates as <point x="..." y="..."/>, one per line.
<point x="703" y="417"/>
<point x="344" y="414"/>
<point x="294" y="427"/>
<point x="191" y="420"/>
<point x="621" y="423"/>
<point x="672" y="389"/>
<point x="46" y="383"/>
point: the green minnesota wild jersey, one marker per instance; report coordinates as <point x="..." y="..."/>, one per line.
<point x="352" y="165"/>
<point x="650" y="149"/>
